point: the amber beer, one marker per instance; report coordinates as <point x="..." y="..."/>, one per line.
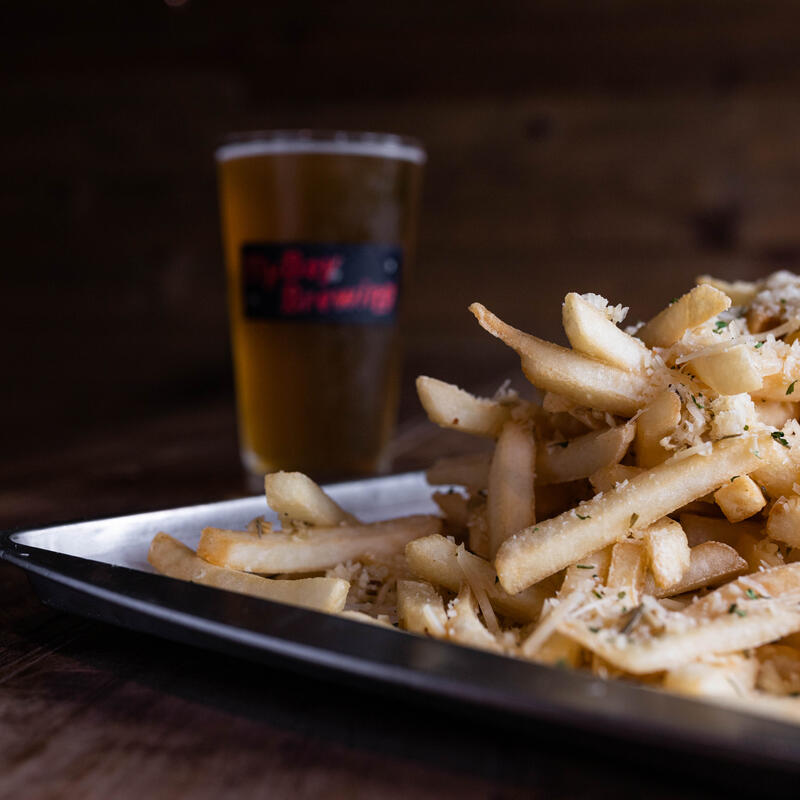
<point x="319" y="232"/>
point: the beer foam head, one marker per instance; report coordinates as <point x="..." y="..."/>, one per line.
<point x="377" y="145"/>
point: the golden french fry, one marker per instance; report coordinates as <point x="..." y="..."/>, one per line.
<point x="778" y="388"/>
<point x="774" y="413"/>
<point x="608" y="477"/>
<point x="551" y="545"/>
<point x="658" y="420"/>
<point x="730" y="676"/>
<point x="731" y="371"/>
<point x="710" y="564"/>
<point x="510" y="504"/>
<point x="592" y="333"/>
<point x="668" y="552"/>
<point x="626" y="571"/>
<point x="741" y="293"/>
<point x="451" y="407"/>
<point x="700" y="528"/>
<point x="692" y="309"/>
<point x="434" y="559"/>
<point x="420" y="608"/>
<point x="465" y="628"/>
<point x="313" y="549"/>
<point x="783" y="523"/>
<point x="471" y="471"/>
<point x="580" y="379"/>
<point x="740" y="498"/>
<point x="559" y="462"/>
<point x="173" y="558"/>
<point x="454" y="506"/>
<point x="296" y="496"/>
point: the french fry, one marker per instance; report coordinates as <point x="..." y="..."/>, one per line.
<point x="465" y="628"/>
<point x="731" y="371"/>
<point x="608" y="477"/>
<point x="420" y="608"/>
<point x="740" y="498"/>
<point x="777" y="388"/>
<point x="297" y="497"/>
<point x="173" y="558"/>
<point x="700" y="528"/>
<point x="551" y="545"/>
<point x="626" y="571"/>
<point x="741" y="293"/>
<point x="783" y="523"/>
<point x="779" y="672"/>
<point x="478" y="530"/>
<point x="710" y="564"/>
<point x="592" y="333"/>
<point x="774" y="413"/>
<point x="668" y="552"/>
<point x="692" y="309"/>
<point x="729" y="676"/>
<point x="314" y="549"/>
<point x="510" y="504"/>
<point x="558" y="651"/>
<point x="559" y="462"/>
<point x="451" y="407"/>
<point x="658" y="420"/>
<point x="471" y="471"/>
<point x="434" y="559"/>
<point x="454" y="506"/>
<point x="556" y="369"/>
<point x="724" y="621"/>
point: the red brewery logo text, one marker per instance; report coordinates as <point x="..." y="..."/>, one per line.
<point x="309" y="285"/>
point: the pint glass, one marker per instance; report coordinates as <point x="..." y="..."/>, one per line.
<point x="319" y="232"/>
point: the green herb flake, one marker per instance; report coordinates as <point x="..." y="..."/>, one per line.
<point x="720" y="326"/>
<point x="734" y="609"/>
<point x="734" y="478"/>
<point x="780" y="438"/>
<point x="747" y="427"/>
<point x="674" y="300"/>
<point x="694" y="400"/>
<point x="756" y="454"/>
<point x="758" y="345"/>
<point x="634" y="517"/>
<point x="593" y="629"/>
<point x="585" y="566"/>
<point x="620" y="595"/>
<point x="588" y="516"/>
<point x="751" y="595"/>
<point x="790" y="390"/>
<point x="598" y="595"/>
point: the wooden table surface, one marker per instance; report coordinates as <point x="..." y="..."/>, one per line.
<point x="91" y="711"/>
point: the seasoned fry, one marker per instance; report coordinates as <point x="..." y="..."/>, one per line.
<point x="695" y="307"/>
<point x="171" y="557"/>
<point x="559" y="462"/>
<point x="451" y="407"/>
<point x="420" y="608"/>
<point x="728" y="676"/>
<point x="315" y="549"/>
<point x="608" y="477"/>
<point x="296" y="496"/>
<point x="464" y="626"/>
<point x="668" y="553"/>
<point x="731" y="371"/>
<point x="740" y="292"/>
<point x="783" y="523"/>
<point x="592" y="333"/>
<point x="510" y="504"/>
<point x="626" y="571"/>
<point x="577" y="377"/>
<point x="551" y="545"/>
<point x="710" y="564"/>
<point x="658" y="420"/>
<point x="740" y="499"/>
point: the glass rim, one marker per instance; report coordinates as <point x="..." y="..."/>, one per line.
<point x="307" y="140"/>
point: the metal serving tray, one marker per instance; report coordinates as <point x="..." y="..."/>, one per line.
<point x="99" y="569"/>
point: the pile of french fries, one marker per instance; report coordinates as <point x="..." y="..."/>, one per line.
<point x="642" y="521"/>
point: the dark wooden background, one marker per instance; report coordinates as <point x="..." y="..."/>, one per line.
<point x="618" y="146"/>
<point x="612" y="146"/>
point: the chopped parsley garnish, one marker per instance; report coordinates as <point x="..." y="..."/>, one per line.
<point x="634" y="517"/>
<point x="734" y="609"/>
<point x="593" y="629"/>
<point x="756" y="454"/>
<point x="734" y="478"/>
<point x="747" y="427"/>
<point x="751" y="595"/>
<point x="598" y="595"/>
<point x="780" y="438"/>
<point x="720" y="326"/>
<point x="620" y="595"/>
<point x="791" y="387"/>
<point x="588" y="516"/>
<point x="585" y="566"/>
<point x="674" y="300"/>
<point x="758" y="344"/>
<point x="694" y="400"/>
